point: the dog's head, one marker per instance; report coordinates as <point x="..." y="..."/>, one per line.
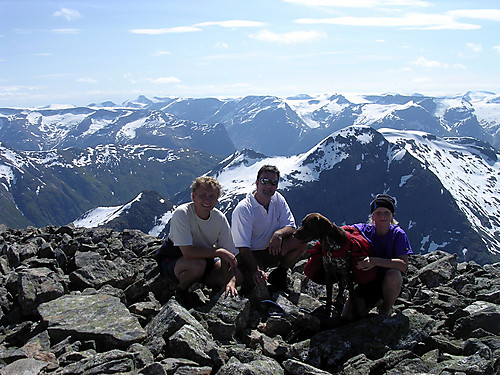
<point x="314" y="226"/>
<point x="317" y="227"/>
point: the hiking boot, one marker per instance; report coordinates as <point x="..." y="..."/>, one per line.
<point x="277" y="278"/>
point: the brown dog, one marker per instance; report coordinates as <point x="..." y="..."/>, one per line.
<point x="332" y="239"/>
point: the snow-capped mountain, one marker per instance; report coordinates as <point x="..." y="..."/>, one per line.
<point x="267" y="124"/>
<point x="57" y="128"/>
<point x="474" y="114"/>
<point x="276" y="126"/>
<point x="55" y="187"/>
<point x="148" y="212"/>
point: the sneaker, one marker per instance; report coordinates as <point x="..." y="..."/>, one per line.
<point x="277" y="278"/>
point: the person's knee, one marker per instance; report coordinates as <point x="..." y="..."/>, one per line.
<point x="393" y="279"/>
<point x="198" y="267"/>
<point x="192" y="269"/>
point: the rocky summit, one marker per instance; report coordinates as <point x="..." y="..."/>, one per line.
<point x="91" y="301"/>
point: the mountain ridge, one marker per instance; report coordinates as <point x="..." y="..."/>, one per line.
<point x="251" y="121"/>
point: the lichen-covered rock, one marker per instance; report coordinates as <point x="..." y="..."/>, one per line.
<point x="257" y="367"/>
<point x="97" y="317"/>
<point x="190" y="343"/>
<point x="483" y="315"/>
<point x="25" y="366"/>
<point x="170" y="319"/>
<point x="294" y="367"/>
<point x="225" y="316"/>
<point x="38" y="285"/>
<point x="94" y="271"/>
<point x="111" y="362"/>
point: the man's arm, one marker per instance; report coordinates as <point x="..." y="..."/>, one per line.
<point x="197" y="252"/>
<point x="250" y="262"/>
<point x="277" y="239"/>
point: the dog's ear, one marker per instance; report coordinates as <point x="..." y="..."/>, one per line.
<point x="316" y="224"/>
<point x="324" y="225"/>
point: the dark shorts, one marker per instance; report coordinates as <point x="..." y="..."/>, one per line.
<point x="167" y="267"/>
<point x="263" y="258"/>
<point x="371" y="292"/>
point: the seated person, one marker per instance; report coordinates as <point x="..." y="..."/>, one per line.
<point x="262" y="227"/>
<point x="391" y="247"/>
<point x="199" y="246"/>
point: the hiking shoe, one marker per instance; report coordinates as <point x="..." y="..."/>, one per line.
<point x="277" y="278"/>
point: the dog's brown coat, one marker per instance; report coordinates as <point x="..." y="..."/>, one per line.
<point x="332" y="238"/>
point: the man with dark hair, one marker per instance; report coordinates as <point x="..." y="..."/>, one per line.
<point x="262" y="228"/>
<point x="199" y="246"/>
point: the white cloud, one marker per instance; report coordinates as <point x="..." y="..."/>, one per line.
<point x="164" y="80"/>
<point x="410" y="21"/>
<point x="69" y="14"/>
<point x="66" y="31"/>
<point x="497" y="48"/>
<point x="232" y="24"/>
<point x="221" y="45"/>
<point x="86" y="80"/>
<point x="484" y="14"/>
<point x="422" y="61"/>
<point x="445" y="21"/>
<point x="474" y="47"/>
<point x="169" y="30"/>
<point x="292" y="37"/>
<point x="360" y="3"/>
<point x="431" y="64"/>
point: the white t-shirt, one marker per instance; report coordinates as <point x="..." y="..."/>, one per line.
<point x="187" y="228"/>
<point x="252" y="226"/>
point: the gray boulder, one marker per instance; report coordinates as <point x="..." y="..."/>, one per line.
<point x="96" y="317"/>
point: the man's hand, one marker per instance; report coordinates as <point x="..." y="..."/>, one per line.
<point x="231" y="288"/>
<point x="227" y="257"/>
<point x="275" y="243"/>
<point x="259" y="276"/>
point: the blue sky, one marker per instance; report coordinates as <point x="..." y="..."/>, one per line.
<point x="79" y="52"/>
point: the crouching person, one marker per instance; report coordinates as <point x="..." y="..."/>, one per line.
<point x="392" y="249"/>
<point x="262" y="227"/>
<point x="200" y="247"/>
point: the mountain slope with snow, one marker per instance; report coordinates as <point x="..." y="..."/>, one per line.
<point x="47" y="129"/>
<point x="55" y="187"/>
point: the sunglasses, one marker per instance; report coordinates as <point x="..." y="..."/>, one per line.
<point x="267" y="181"/>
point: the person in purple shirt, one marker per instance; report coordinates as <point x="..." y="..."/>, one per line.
<point x="391" y="247"/>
